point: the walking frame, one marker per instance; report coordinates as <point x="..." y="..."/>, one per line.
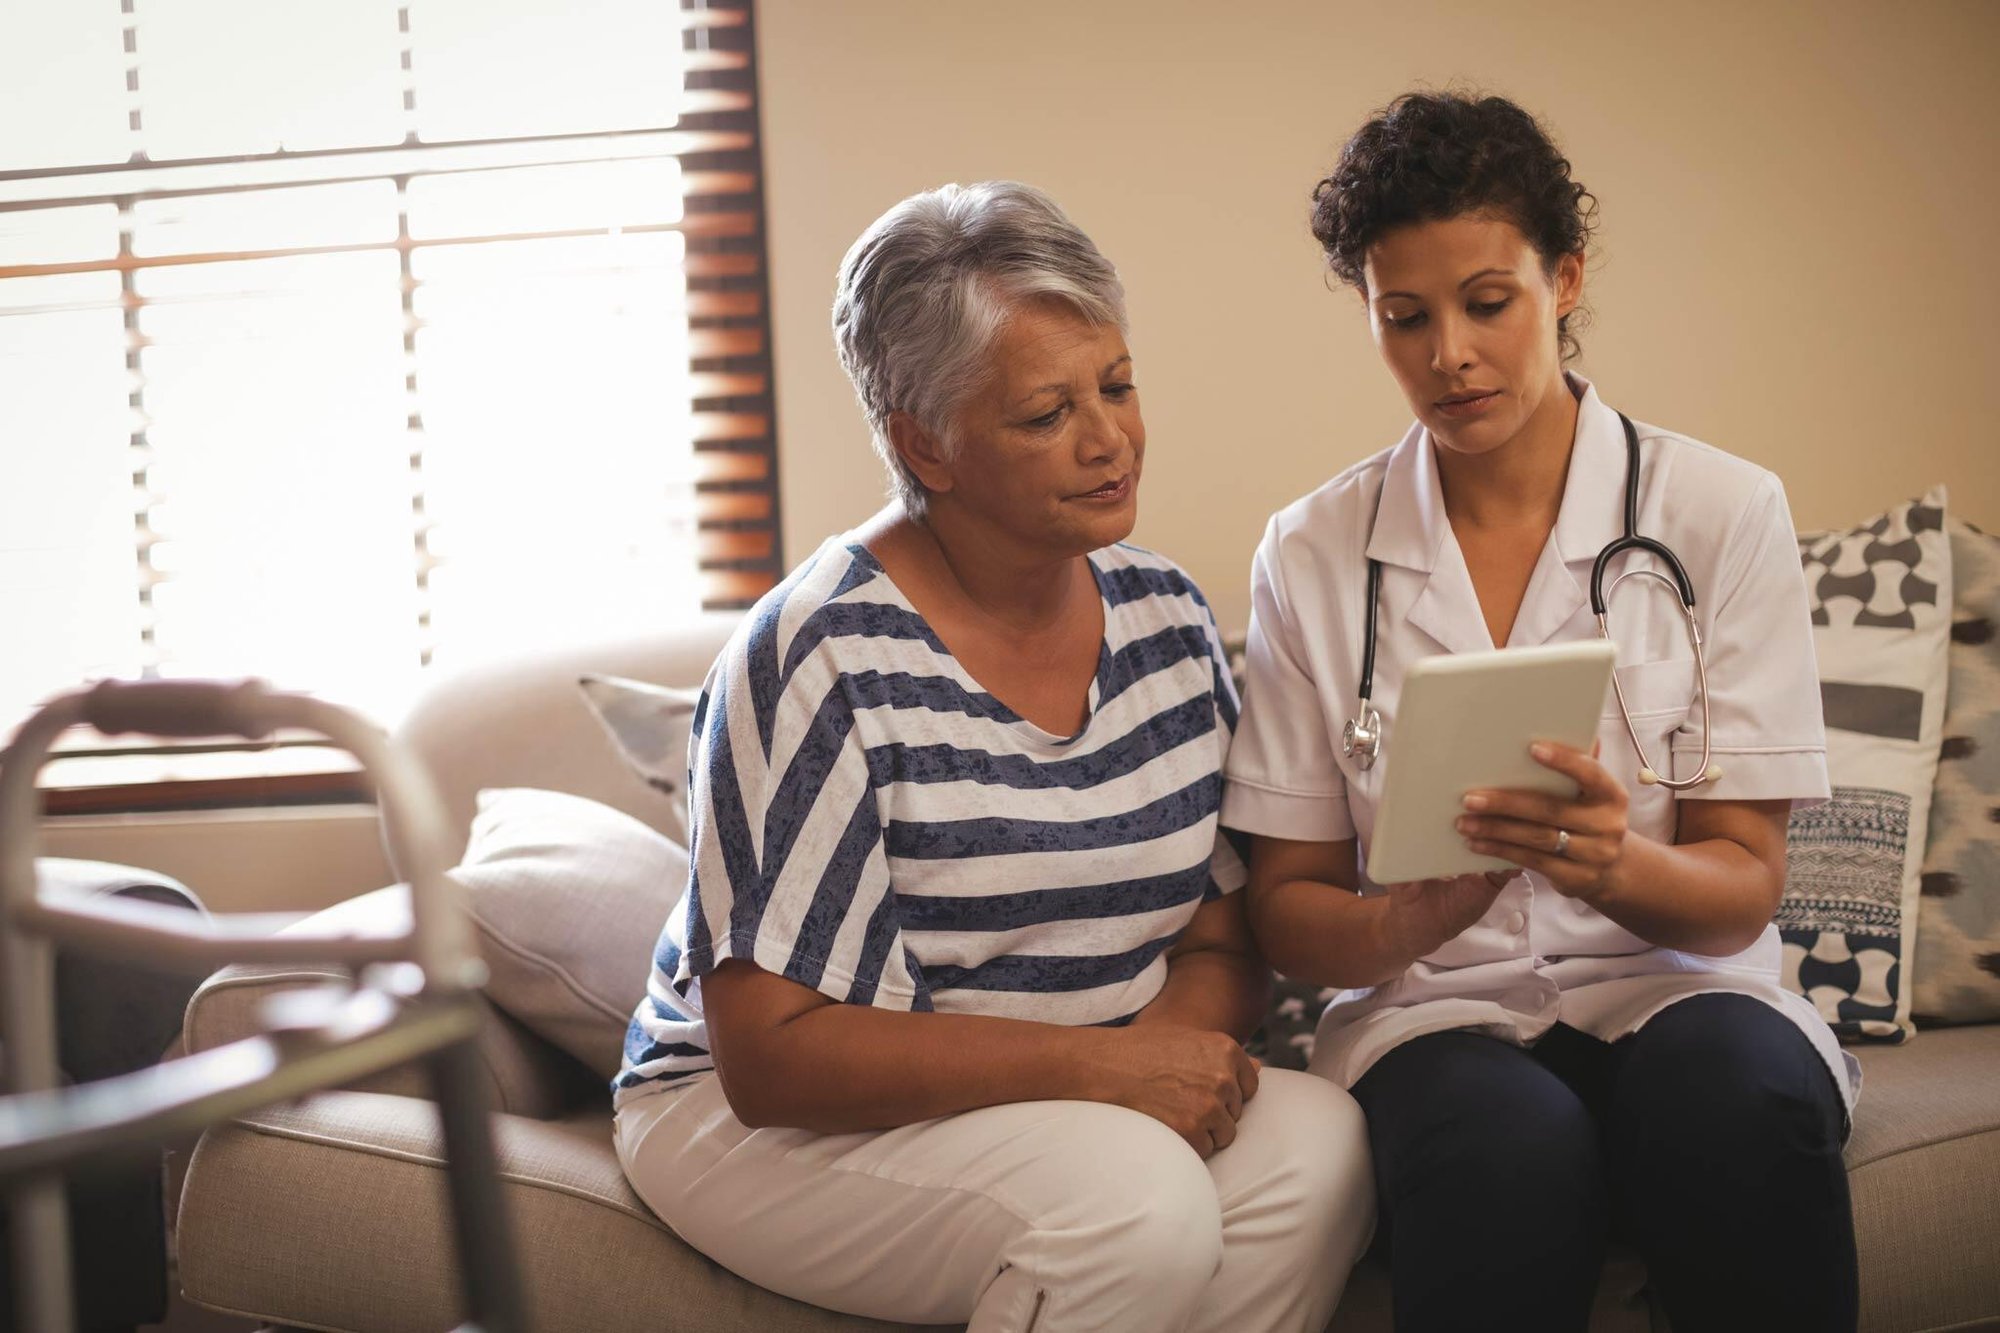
<point x="414" y="996"/>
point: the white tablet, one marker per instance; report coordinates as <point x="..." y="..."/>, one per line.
<point x="1465" y="721"/>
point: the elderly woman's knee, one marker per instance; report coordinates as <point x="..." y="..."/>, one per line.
<point x="1134" y="1193"/>
<point x="1311" y="1166"/>
<point x="1315" y="1128"/>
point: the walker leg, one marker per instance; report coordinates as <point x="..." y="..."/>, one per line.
<point x="38" y="1218"/>
<point x="38" y="1211"/>
<point x="479" y="1211"/>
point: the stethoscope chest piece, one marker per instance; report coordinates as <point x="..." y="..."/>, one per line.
<point x="1361" y="738"/>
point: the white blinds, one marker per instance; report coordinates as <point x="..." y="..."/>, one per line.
<point x="340" y="337"/>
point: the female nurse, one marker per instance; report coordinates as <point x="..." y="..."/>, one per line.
<point x="1595" y="1044"/>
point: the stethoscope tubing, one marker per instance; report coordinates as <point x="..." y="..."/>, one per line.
<point x="1362" y="738"/>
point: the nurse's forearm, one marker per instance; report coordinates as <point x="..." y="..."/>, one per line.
<point x="1214" y="989"/>
<point x="1329" y="936"/>
<point x="1712" y="897"/>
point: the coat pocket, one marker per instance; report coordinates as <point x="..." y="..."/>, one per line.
<point x="1653" y="689"/>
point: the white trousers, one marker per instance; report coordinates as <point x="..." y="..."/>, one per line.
<point x="1048" y="1216"/>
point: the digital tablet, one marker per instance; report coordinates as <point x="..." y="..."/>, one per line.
<point x="1465" y="721"/>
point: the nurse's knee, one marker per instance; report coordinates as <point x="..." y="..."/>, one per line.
<point x="1546" y="1146"/>
<point x="1482" y="1117"/>
<point x="1717" y="1072"/>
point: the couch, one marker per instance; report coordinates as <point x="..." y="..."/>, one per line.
<point x="331" y="1214"/>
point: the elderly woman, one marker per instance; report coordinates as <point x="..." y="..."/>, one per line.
<point x="946" y="1027"/>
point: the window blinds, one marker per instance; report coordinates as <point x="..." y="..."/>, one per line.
<point x="343" y="337"/>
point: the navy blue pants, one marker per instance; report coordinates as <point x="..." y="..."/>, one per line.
<point x="1709" y="1141"/>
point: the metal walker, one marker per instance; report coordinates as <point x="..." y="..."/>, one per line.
<point x="414" y="997"/>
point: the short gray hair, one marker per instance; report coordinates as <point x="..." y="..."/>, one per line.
<point x="929" y="286"/>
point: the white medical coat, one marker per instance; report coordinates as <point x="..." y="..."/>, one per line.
<point x="1536" y="958"/>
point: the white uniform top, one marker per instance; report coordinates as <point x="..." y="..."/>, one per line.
<point x="1536" y="958"/>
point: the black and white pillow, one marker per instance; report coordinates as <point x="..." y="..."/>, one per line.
<point x="1881" y="609"/>
<point x="1957" y="977"/>
<point x="1284" y="1040"/>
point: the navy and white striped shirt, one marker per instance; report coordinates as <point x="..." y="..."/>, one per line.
<point x="866" y="820"/>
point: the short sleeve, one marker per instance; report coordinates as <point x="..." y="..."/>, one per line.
<point x="1769" y="736"/>
<point x="788" y="867"/>
<point x="1282" y="779"/>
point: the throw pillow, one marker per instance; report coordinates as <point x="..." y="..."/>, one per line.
<point x="1958" y="917"/>
<point x="649" y="725"/>
<point x="1285" y="1038"/>
<point x="569" y="897"/>
<point x="1881" y="609"/>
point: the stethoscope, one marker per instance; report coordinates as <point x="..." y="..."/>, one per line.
<point x="1361" y="740"/>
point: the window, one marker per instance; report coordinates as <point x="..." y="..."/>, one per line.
<point x="340" y="339"/>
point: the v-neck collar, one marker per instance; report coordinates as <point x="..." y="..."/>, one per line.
<point x="1412" y="532"/>
<point x="1100" y="682"/>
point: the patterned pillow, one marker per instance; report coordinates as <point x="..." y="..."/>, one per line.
<point x="1881" y="610"/>
<point x="1285" y="1039"/>
<point x="1957" y="973"/>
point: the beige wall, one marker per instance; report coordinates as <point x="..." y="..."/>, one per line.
<point x="1798" y="249"/>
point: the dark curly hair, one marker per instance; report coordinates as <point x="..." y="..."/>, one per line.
<point x="1428" y="156"/>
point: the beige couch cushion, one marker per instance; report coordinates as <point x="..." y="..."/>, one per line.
<point x="283" y="1215"/>
<point x="1924" y="1166"/>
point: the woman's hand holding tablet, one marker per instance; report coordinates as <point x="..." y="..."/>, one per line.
<point x="1464" y="724"/>
<point x="1526" y="827"/>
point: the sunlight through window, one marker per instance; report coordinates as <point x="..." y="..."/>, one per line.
<point x="341" y="338"/>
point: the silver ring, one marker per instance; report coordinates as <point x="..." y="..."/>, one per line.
<point x="1562" y="842"/>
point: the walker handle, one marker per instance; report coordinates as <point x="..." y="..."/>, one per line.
<point x="181" y="708"/>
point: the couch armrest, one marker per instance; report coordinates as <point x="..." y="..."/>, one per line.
<point x="114" y="1016"/>
<point x="528" y="1076"/>
<point x="67" y="877"/>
